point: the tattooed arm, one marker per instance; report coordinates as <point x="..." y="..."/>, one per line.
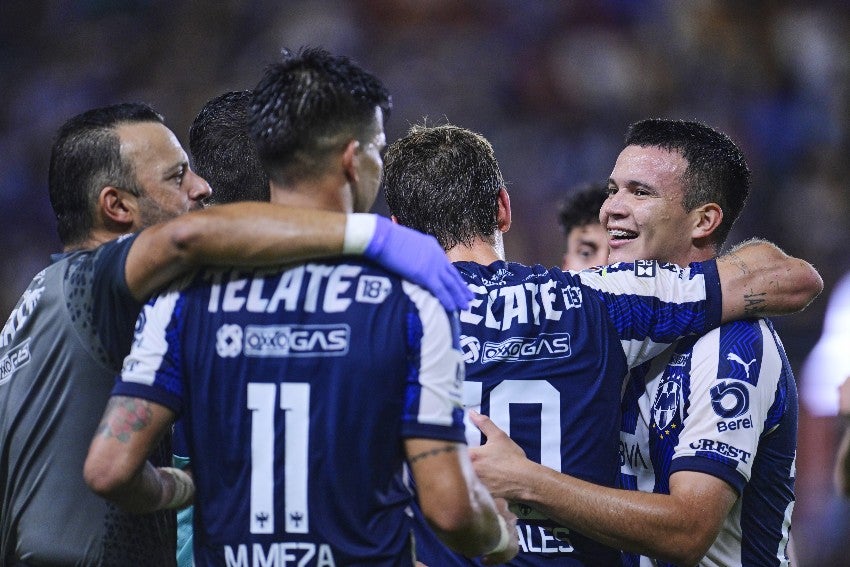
<point x="117" y="467"/>
<point x="458" y="507"/>
<point x="760" y="280"/>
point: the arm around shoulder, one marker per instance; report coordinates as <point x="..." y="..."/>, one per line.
<point x="239" y="234"/>
<point x="760" y="280"/>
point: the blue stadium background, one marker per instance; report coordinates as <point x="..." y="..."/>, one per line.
<point x="552" y="84"/>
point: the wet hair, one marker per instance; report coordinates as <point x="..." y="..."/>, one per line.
<point x="444" y="181"/>
<point x="223" y="152"/>
<point x="308" y="106"/>
<point x="717" y="171"/>
<point x="85" y="158"/>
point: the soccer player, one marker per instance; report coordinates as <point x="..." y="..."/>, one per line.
<point x="587" y="241"/>
<point x="223" y="152"/>
<point x="546" y="351"/>
<point x="708" y="436"/>
<point x="114" y="171"/>
<point x="303" y="389"/>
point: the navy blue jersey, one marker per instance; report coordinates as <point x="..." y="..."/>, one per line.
<point x="546" y="353"/>
<point x="296" y="389"/>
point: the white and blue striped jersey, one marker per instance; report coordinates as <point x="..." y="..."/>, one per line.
<point x="723" y="404"/>
<point x="546" y="354"/>
<point x="296" y="389"/>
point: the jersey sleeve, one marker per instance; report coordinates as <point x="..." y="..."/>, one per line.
<point x="433" y="407"/>
<point x="736" y="396"/>
<point x="113" y="306"/>
<point x="652" y="304"/>
<point x="152" y="370"/>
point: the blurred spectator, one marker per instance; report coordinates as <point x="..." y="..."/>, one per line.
<point x="842" y="462"/>
<point x="821" y="517"/>
<point x="829" y="362"/>
<point x="587" y="240"/>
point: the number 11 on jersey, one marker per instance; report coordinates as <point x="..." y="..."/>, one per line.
<point x="294" y="402"/>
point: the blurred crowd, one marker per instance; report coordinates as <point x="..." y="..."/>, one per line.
<point x="553" y="85"/>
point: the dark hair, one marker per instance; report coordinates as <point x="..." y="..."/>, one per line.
<point x="224" y="153"/>
<point x="581" y="206"/>
<point x="85" y="158"/>
<point x="306" y="106"/>
<point x="717" y="171"/>
<point x="444" y="181"/>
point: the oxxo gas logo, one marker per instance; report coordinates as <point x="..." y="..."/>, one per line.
<point x="471" y="348"/>
<point x="296" y="340"/>
<point x="14" y="359"/>
<point x="544" y="346"/>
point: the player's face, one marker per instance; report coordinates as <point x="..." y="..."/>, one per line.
<point x="644" y="214"/>
<point x="168" y="187"/>
<point x="370" y="166"/>
<point x="587" y="246"/>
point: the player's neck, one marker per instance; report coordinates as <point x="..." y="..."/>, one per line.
<point x="696" y="253"/>
<point x="480" y="252"/>
<point x="312" y="196"/>
<point x="95" y="238"/>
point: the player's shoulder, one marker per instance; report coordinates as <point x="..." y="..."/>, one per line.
<point x="738" y="330"/>
<point x="501" y="273"/>
<point x="737" y="341"/>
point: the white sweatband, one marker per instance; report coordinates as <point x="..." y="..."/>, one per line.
<point x="504" y="537"/>
<point x="184" y="488"/>
<point x="359" y="230"/>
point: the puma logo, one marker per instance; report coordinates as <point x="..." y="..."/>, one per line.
<point x="735" y="358"/>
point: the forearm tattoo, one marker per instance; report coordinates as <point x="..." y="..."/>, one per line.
<point x="124" y="416"/>
<point x="432" y="453"/>
<point x="754" y="303"/>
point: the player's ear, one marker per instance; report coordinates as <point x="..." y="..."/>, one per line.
<point x="707" y="218"/>
<point x="349" y="161"/>
<point x="116" y="206"/>
<point x="503" y="217"/>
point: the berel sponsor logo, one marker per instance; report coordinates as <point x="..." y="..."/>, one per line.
<point x="735" y="424"/>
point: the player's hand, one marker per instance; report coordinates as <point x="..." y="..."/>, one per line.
<point x="419" y="258"/>
<point x="513" y="541"/>
<point x="498" y="460"/>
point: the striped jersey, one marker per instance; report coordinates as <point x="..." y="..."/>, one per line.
<point x="546" y="352"/>
<point x="296" y="388"/>
<point x="724" y="404"/>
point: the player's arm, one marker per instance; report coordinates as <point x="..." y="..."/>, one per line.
<point x="457" y="506"/>
<point x="679" y="527"/>
<point x="117" y="467"/>
<point x="842" y="462"/>
<point x="259" y="234"/>
<point x="759" y="280"/>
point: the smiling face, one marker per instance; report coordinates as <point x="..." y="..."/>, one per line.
<point x="644" y="212"/>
